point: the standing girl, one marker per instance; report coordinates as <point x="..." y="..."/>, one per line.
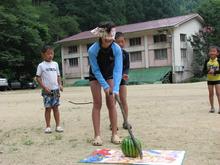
<point x="212" y="69"/>
<point x="105" y="58"/>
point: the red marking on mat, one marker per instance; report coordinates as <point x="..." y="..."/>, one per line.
<point x="102" y="152"/>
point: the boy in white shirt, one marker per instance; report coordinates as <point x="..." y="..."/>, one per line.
<point x="48" y="77"/>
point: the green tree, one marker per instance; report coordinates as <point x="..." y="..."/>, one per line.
<point x="58" y="26"/>
<point x="21" y="37"/>
<point x="158" y="9"/>
<point x="134" y="11"/>
<point x="189" y="6"/>
<point x="209" y="35"/>
<point x="200" y="42"/>
<point x="89" y="13"/>
<point x="210" y="11"/>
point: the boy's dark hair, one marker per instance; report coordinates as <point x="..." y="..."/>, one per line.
<point x="45" y="48"/>
<point x="107" y="26"/>
<point x="215" y="47"/>
<point x="119" y="34"/>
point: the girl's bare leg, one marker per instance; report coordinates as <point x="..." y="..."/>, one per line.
<point x="211" y="96"/>
<point x="97" y="104"/>
<point x="217" y="90"/>
<point x="110" y="102"/>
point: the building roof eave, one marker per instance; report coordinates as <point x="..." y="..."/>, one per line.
<point x="165" y="23"/>
<point x="197" y="16"/>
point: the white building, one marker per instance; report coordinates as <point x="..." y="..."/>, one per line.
<point x="150" y="44"/>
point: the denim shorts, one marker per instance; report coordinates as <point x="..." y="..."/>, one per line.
<point x="51" y="101"/>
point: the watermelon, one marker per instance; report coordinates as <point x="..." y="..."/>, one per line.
<point x="128" y="148"/>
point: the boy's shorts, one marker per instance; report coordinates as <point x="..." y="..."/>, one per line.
<point x="123" y="82"/>
<point x="51" y="100"/>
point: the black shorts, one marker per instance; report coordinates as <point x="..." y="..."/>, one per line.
<point x="213" y="82"/>
<point x="106" y="75"/>
<point x="123" y="82"/>
<point x="92" y="78"/>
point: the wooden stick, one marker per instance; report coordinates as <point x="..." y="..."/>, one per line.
<point x="78" y="103"/>
<point x="128" y="126"/>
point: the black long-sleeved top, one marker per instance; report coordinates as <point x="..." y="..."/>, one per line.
<point x="126" y="62"/>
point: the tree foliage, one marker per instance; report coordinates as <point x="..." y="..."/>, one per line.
<point x="200" y="42"/>
<point x="208" y="36"/>
<point x="21" y="35"/>
<point x="210" y="11"/>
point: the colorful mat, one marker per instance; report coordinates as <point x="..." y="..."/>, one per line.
<point x="150" y="157"/>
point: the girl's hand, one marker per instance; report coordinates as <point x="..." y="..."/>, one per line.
<point x="108" y="91"/>
<point x="116" y="96"/>
<point x="211" y="71"/>
<point x="125" y="77"/>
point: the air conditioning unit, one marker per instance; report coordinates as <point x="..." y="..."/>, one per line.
<point x="179" y="68"/>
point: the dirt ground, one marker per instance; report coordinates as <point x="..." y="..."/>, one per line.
<point x="163" y="116"/>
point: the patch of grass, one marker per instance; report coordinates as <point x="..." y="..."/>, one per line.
<point x="36" y="129"/>
<point x="50" y="143"/>
<point x="58" y="137"/>
<point x="74" y="145"/>
<point x="196" y="79"/>
<point x="7" y="135"/>
<point x="14" y="144"/>
<point x="73" y="140"/>
<point x="14" y="149"/>
<point x="88" y="140"/>
<point x="28" y="142"/>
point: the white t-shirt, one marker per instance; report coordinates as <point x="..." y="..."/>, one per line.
<point x="49" y="71"/>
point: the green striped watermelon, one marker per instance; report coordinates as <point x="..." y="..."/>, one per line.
<point x="128" y="148"/>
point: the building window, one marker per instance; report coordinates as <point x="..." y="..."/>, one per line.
<point x="135" y="41"/>
<point x="183" y="53"/>
<point x="183" y="37"/>
<point x="72" y="49"/>
<point x="160" y="38"/>
<point x="73" y="62"/>
<point x="136" y="56"/>
<point x="160" y="54"/>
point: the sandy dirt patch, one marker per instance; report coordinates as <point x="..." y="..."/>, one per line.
<point x="163" y="116"/>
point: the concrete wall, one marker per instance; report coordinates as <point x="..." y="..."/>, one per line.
<point x="160" y="45"/>
<point x="82" y="69"/>
<point x="137" y="48"/>
<point x="189" y="28"/>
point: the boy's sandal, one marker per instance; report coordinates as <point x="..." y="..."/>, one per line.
<point x="115" y="139"/>
<point x="125" y="126"/>
<point x="97" y="141"/>
<point x="59" y="129"/>
<point x="48" y="130"/>
<point x="212" y="110"/>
